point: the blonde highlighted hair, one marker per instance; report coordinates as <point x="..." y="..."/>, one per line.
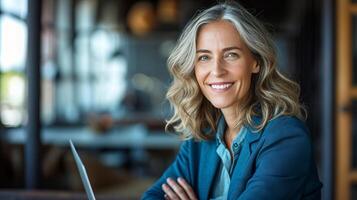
<point x="271" y="94"/>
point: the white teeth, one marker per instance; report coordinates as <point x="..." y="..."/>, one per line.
<point x="221" y="86"/>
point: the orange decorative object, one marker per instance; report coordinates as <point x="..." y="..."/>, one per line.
<point x="101" y="123"/>
<point x="141" y="18"/>
<point x="168" y="11"/>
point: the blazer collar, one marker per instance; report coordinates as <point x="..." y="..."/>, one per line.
<point x="253" y="135"/>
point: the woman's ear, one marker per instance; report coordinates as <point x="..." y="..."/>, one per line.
<point x="256" y="67"/>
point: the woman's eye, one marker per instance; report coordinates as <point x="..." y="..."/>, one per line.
<point x="203" y="58"/>
<point x="231" y="55"/>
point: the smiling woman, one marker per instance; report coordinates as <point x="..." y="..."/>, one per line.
<point x="241" y="118"/>
<point x="224" y="66"/>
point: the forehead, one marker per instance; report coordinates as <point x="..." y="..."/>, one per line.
<point x="220" y="33"/>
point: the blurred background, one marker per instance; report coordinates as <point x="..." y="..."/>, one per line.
<point x="94" y="71"/>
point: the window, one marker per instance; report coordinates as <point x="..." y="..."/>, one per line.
<point x="13" y="37"/>
<point x="95" y="66"/>
<point x="90" y="63"/>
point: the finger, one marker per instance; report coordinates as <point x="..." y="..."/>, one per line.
<point x="167" y="197"/>
<point x="187" y="188"/>
<point x="169" y="192"/>
<point x="177" y="188"/>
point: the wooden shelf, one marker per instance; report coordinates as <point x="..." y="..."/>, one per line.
<point x="345" y="91"/>
<point x="353" y="8"/>
<point x="353" y="176"/>
<point x="354" y="92"/>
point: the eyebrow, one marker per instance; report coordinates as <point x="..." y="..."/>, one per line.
<point x="225" y="49"/>
<point x="232" y="48"/>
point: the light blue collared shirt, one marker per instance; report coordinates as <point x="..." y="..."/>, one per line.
<point x="223" y="177"/>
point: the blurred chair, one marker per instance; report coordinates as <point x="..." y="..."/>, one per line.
<point x="6" y="166"/>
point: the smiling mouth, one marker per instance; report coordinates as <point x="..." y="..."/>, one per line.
<point x="221" y="86"/>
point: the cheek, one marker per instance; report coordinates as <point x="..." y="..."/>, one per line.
<point x="242" y="71"/>
<point x="248" y="85"/>
<point x="240" y="74"/>
<point x="199" y="74"/>
<point x="198" y="79"/>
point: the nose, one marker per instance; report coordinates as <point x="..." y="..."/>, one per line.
<point x="218" y="68"/>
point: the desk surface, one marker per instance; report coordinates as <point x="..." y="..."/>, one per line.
<point x="134" y="136"/>
<point x="53" y="195"/>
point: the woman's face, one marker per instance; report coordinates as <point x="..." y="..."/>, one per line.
<point x="223" y="64"/>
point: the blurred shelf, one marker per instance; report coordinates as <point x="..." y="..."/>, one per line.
<point x="354" y="92"/>
<point x="353" y="8"/>
<point x="134" y="136"/>
<point x="353" y="176"/>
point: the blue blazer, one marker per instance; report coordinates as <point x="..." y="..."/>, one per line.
<point x="276" y="163"/>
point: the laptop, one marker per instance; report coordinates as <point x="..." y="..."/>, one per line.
<point x="82" y="172"/>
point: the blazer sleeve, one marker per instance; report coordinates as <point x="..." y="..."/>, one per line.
<point x="282" y="165"/>
<point x="179" y="168"/>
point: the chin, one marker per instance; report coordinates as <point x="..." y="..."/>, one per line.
<point x="222" y="102"/>
<point x="220" y="105"/>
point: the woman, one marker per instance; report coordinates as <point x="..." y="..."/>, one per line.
<point x="241" y="118"/>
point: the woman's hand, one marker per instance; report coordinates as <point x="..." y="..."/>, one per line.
<point x="179" y="190"/>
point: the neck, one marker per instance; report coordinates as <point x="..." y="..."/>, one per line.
<point x="230" y="113"/>
<point x="231" y="117"/>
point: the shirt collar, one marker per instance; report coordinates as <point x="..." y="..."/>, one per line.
<point x="221" y="127"/>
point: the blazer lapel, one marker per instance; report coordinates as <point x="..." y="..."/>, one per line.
<point x="239" y="174"/>
<point x="208" y="168"/>
<point x="253" y="136"/>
